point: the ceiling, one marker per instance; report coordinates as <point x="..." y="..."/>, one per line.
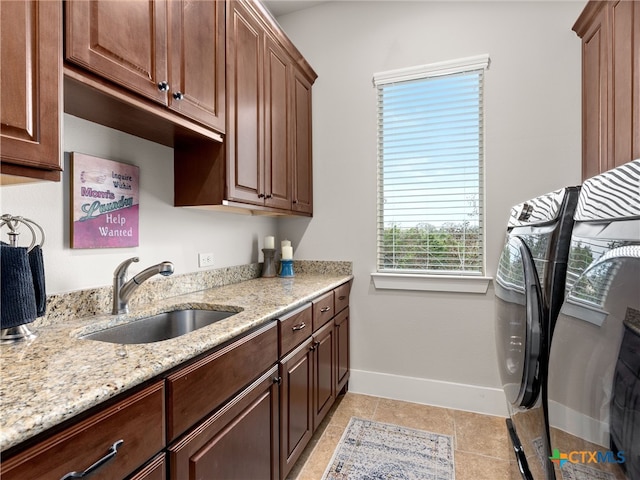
<point x="284" y="7"/>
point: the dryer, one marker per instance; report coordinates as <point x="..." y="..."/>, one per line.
<point x="594" y="361"/>
<point x="529" y="289"/>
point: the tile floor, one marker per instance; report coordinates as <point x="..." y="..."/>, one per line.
<point x="482" y="447"/>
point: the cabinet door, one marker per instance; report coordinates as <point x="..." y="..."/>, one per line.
<point x="238" y="442"/>
<point x="302" y="201"/>
<point x="624" y="130"/>
<point x="245" y="106"/>
<point x="31" y="80"/>
<point x="197" y="76"/>
<point x="296" y="414"/>
<point x="342" y="349"/>
<point x="594" y="96"/>
<point x="124" y="41"/>
<point x="277" y="127"/>
<point x="324" y="379"/>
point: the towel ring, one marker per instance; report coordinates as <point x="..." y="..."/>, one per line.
<point x="13" y="223"/>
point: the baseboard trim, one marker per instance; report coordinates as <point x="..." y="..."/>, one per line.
<point x="471" y="398"/>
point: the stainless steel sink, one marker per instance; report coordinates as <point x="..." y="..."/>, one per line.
<point x="159" y="327"/>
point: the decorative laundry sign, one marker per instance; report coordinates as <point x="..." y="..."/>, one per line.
<point x="105" y="202"/>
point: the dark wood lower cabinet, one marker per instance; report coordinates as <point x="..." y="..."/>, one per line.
<point x="313" y="372"/>
<point x="238" y="442"/>
<point x="296" y="413"/>
<point x="324" y="379"/>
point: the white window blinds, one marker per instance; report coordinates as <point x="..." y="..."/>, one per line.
<point x="430" y="168"/>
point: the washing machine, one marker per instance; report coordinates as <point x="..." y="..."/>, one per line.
<point x="594" y="361"/>
<point x="529" y="289"/>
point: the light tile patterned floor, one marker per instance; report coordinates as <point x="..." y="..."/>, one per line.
<point x="482" y="447"/>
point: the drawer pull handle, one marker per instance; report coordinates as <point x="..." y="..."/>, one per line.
<point x="300" y="326"/>
<point x="112" y="453"/>
<point x="342" y="297"/>
<point x="325" y="309"/>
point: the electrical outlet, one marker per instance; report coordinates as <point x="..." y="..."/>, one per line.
<point x="205" y="259"/>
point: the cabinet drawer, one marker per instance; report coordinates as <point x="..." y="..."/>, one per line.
<point x="196" y="390"/>
<point x="137" y="420"/>
<point x="342" y="296"/>
<point x="323" y="310"/>
<point x="294" y="328"/>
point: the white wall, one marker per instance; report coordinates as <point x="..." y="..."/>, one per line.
<point x="166" y="232"/>
<point x="533" y="123"/>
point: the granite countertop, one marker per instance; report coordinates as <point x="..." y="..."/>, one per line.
<point x="57" y="375"/>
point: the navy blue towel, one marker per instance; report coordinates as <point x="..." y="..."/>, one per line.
<point x="36" y="261"/>
<point x="17" y="296"/>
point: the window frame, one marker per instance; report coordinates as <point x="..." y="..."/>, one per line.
<point x="429" y="281"/>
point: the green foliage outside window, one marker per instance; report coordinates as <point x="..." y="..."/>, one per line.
<point x="451" y="247"/>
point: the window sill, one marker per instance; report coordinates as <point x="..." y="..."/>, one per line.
<point x="430" y="283"/>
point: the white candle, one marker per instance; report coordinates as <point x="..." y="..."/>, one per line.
<point x="285" y="243"/>
<point x="287" y="253"/>
<point x="269" y="242"/>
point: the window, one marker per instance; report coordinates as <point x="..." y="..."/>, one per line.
<point x="430" y="169"/>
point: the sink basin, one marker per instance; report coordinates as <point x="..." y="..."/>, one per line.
<point x="159" y="327"/>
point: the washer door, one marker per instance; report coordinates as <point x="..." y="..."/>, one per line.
<point x="519" y="312"/>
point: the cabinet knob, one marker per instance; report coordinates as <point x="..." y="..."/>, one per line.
<point x="178" y="95"/>
<point x="277" y="380"/>
<point x="268" y="196"/>
<point x="163" y="86"/>
<point x="294" y="202"/>
<point x="261" y="195"/>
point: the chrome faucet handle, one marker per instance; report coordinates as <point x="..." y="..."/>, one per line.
<point x="121" y="270"/>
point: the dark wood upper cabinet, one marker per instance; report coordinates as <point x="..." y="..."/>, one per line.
<point x="245" y="100"/>
<point x="197" y="61"/>
<point x="302" y="200"/>
<point x="610" y="33"/>
<point x="259" y="133"/>
<point x="278" y="131"/>
<point x="31" y="89"/>
<point x="169" y="52"/>
<point x="267" y="148"/>
<point x="131" y="53"/>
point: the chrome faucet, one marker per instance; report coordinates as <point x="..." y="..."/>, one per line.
<point x="123" y="289"/>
